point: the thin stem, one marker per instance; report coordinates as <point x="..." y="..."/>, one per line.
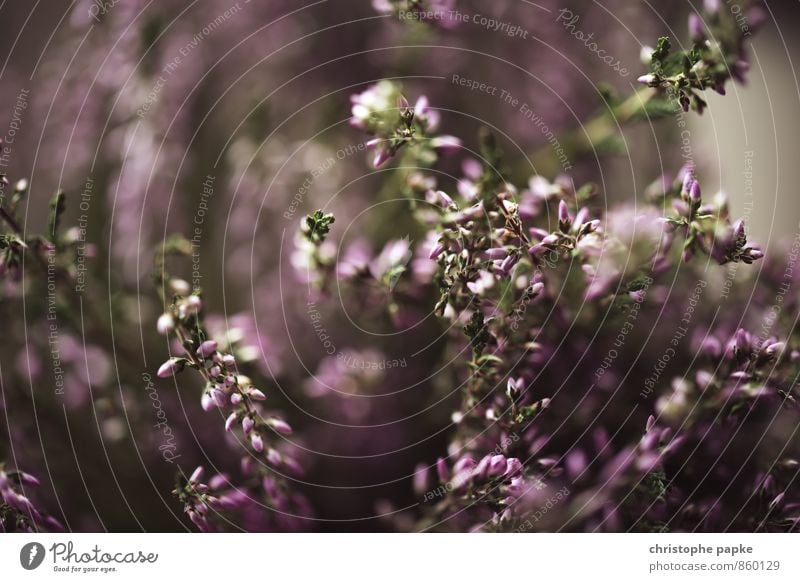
<point x="10" y="220"/>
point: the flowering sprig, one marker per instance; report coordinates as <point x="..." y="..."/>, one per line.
<point x="226" y="388"/>
<point x="17" y="511"/>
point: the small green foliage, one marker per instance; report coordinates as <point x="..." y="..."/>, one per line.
<point x="477" y="333"/>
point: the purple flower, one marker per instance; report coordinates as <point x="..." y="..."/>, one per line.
<point x="197" y="475"/>
<point x="497" y="466"/>
<point x="247" y="424"/>
<point x="441" y="470"/>
<point x="695" y="194"/>
<point x="218" y="396"/>
<point x="230" y="421"/>
<point x="165" y="324"/>
<point x="513" y="467"/>
<point x="448" y="143"/>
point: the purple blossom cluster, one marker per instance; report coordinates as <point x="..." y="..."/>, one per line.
<point x="267" y="465"/>
<point x="503" y="269"/>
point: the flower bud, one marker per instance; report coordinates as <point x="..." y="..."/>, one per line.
<point x="564" y="219"/>
<point x="274" y="457"/>
<point x="738" y="230"/>
<point x="756" y="17"/>
<point x="496" y="254"/>
<point x="444" y="199"/>
<point x="197" y="474"/>
<point x="695" y="193"/>
<point x="712" y="347"/>
<point x="513" y="467"/>
<point x="513" y="388"/>
<point x="218" y="481"/>
<point x="193" y="304"/>
<point x="381" y="156"/>
<point x="777" y="501"/>
<point x="516" y="487"/>
<point x="402" y="104"/>
<point x="206" y="401"/>
<point x="481" y="469"/>
<point x="180" y="287"/>
<point x="464" y="464"/>
<point x="507" y="264"/>
<point x="646" y="55"/>
<point x="649" y="80"/>
<point x="774" y="349"/>
<point x="537" y="233"/>
<point x="256" y="441"/>
<point x="441" y="470"/>
<point x="741" y="345"/>
<point x="231" y="420"/>
<point x="219" y="398"/>
<point x="436" y="252"/>
<point x="420" y="479"/>
<point x="448" y="143"/>
<point x="753" y="253"/>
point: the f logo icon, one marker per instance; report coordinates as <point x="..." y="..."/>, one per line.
<point x="31" y="555"/>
